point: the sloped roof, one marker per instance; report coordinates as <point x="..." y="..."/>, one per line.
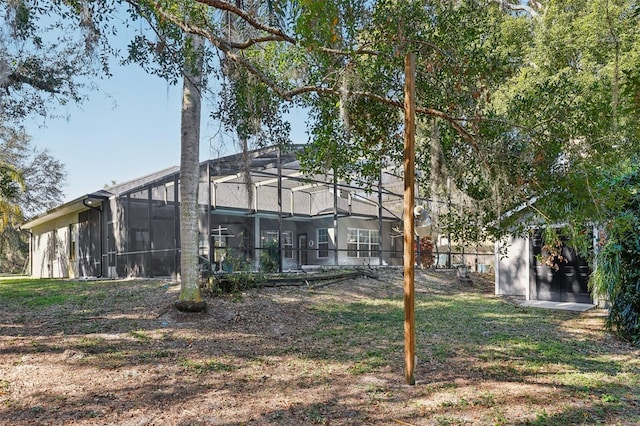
<point x="123" y="187"/>
<point x="265" y="173"/>
<point x="79" y="204"/>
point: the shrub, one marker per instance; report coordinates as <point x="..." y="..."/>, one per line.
<point x="269" y="257"/>
<point x="234" y="282"/>
<point x="426" y="252"/>
<point x="617" y="267"/>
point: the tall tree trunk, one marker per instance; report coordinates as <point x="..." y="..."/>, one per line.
<point x="190" y="298"/>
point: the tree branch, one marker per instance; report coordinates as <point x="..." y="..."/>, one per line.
<point x="228" y="7"/>
<point x="227" y="48"/>
<point x="340" y="52"/>
<point x="49" y="86"/>
<point x="253" y="41"/>
<point x="453" y="121"/>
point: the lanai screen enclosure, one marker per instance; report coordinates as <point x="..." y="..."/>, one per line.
<point x="251" y="206"/>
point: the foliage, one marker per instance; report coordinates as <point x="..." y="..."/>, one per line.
<point x="511" y="101"/>
<point x="464" y="226"/>
<point x="426" y="251"/>
<point x="233" y="282"/>
<point x="42" y="175"/>
<point x="459" y="61"/>
<point x="12" y="246"/>
<point x="250" y="111"/>
<point x="575" y="102"/>
<point x="342" y="61"/>
<point x="269" y="257"/>
<point x="33" y="184"/>
<point x="11" y="182"/>
<point x="233" y="260"/>
<point x="236" y="261"/>
<point x="512" y="95"/>
<point x="47" y="50"/>
<point x="617" y="272"/>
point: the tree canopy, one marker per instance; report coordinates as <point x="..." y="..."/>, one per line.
<point x="576" y="95"/>
<point x="30" y="183"/>
<point x="47" y="49"/>
<point x="516" y="101"/>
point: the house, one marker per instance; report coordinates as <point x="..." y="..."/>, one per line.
<point x="248" y="204"/>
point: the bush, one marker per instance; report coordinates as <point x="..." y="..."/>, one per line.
<point x="617" y="268"/>
<point x="269" y="257"/>
<point x="235" y="282"/>
<point x="426" y="252"/>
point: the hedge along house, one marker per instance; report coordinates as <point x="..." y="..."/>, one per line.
<point x="250" y="205"/>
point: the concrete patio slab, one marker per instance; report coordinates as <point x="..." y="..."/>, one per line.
<point x="563" y="306"/>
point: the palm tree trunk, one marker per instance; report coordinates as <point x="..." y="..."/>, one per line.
<point x="190" y="298"/>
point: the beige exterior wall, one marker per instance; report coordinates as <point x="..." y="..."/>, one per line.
<point x="52" y="252"/>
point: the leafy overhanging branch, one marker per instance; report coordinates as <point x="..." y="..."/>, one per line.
<point x="233" y="51"/>
<point x="228" y="7"/>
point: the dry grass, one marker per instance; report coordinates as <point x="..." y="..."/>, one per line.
<point x="98" y="353"/>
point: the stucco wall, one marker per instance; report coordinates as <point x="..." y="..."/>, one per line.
<point x="50" y="249"/>
<point x="385" y="242"/>
<point x="312" y="252"/>
<point x="512" y="271"/>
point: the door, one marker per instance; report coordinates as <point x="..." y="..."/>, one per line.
<point x="566" y="281"/>
<point x="303" y="254"/>
<point x="89" y="244"/>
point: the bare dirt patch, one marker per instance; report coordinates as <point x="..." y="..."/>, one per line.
<point x="309" y="355"/>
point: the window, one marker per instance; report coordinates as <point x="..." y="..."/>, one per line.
<point x="271" y="237"/>
<point x="363" y="242"/>
<point x="268" y="237"/>
<point x="323" y="242"/>
<point x="287" y="244"/>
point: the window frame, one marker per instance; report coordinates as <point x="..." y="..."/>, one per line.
<point x="287" y="241"/>
<point x="362" y="242"/>
<point x="323" y="243"/>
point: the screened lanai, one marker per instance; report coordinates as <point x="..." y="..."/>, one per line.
<point x="258" y="211"/>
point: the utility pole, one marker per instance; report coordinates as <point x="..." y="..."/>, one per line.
<point x="409" y="196"/>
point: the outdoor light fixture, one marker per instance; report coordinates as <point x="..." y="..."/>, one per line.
<point x="422" y="221"/>
<point x="422" y="216"/>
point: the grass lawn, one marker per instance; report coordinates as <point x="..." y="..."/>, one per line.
<point x="113" y="352"/>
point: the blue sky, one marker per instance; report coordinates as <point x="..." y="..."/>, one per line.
<point x="127" y="129"/>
